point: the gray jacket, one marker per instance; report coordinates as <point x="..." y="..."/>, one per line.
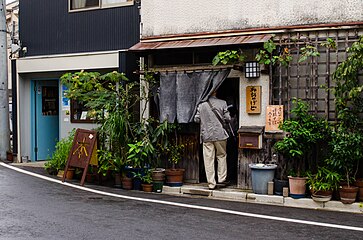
<point x="211" y="128"/>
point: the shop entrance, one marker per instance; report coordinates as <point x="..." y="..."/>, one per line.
<point x="228" y="91"/>
<point x="45" y="118"/>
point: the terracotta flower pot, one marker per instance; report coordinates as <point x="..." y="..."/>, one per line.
<point x="118" y="180"/>
<point x="89" y="177"/>
<point x="127" y="183"/>
<point x="9" y="156"/>
<point x="174" y="177"/>
<point x="70" y="173"/>
<point x="158" y="176"/>
<point x="321" y="196"/>
<point x="147" y="187"/>
<point x="347" y="194"/>
<point x="297" y="186"/>
<point x="359" y="183"/>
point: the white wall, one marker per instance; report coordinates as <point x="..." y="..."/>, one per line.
<point x="161" y="17"/>
<point x="24" y="112"/>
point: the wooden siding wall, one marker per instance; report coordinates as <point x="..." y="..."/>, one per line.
<point x="46" y="27"/>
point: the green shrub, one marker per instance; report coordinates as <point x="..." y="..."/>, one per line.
<point x="59" y="158"/>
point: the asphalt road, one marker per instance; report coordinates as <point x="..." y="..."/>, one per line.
<point x="33" y="208"/>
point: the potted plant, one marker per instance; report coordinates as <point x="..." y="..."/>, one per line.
<point x="323" y="183"/>
<point x="59" y="158"/>
<point x="281" y="181"/>
<point x="174" y="176"/>
<point x="106" y="165"/>
<point x="347" y="150"/>
<point x="138" y="159"/>
<point x="9" y="156"/>
<point x="147" y="185"/>
<point x="345" y="156"/>
<point x="304" y="132"/>
<point x="111" y="98"/>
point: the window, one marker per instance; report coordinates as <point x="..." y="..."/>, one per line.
<point x="91" y="4"/>
<point x="80" y="113"/>
<point x="49" y="101"/>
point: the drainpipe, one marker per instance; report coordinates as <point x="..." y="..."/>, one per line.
<point x="4" y="95"/>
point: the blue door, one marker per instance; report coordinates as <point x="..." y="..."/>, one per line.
<point x="45" y="118"/>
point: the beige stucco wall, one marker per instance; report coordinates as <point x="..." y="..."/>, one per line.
<point x="246" y="119"/>
<point x="161" y="17"/>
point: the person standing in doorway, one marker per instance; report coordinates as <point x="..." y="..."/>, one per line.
<point x="214" y="137"/>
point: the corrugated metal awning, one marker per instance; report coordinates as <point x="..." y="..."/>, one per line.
<point x="199" y="42"/>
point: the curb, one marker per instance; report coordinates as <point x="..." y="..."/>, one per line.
<point x="242" y="196"/>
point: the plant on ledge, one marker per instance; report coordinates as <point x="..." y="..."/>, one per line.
<point x="229" y="57"/>
<point x="59" y="158"/>
<point x="111" y="98"/>
<point x="304" y="131"/>
<point x="347" y="144"/>
<point x="323" y="183"/>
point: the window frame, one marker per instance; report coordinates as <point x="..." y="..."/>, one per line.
<point x="72" y="112"/>
<point x="100" y="6"/>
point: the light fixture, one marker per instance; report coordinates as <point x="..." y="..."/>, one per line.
<point x="252" y="70"/>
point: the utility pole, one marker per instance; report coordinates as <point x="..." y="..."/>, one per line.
<point x="4" y="94"/>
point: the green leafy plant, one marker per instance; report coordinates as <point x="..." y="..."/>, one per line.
<point x="140" y="153"/>
<point x="304" y="131"/>
<point x="111" y="98"/>
<point x="308" y="51"/>
<point x="175" y="152"/>
<point x="268" y="54"/>
<point x="147" y="177"/>
<point x="229" y="57"/>
<point x="329" y="43"/>
<point x="107" y="161"/>
<point x="138" y="175"/>
<point x="59" y="158"/>
<point x="346" y="153"/>
<point x="347" y="150"/>
<point x="324" y="180"/>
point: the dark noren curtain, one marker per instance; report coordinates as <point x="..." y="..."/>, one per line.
<point x="181" y="92"/>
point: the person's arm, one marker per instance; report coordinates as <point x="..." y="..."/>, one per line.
<point x="197" y="115"/>
<point x="226" y="115"/>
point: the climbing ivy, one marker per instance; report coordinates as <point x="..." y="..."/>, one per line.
<point x="229" y="57"/>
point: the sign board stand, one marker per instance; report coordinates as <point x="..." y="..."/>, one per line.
<point x="83" y="152"/>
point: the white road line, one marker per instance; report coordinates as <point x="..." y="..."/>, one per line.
<point x="245" y="214"/>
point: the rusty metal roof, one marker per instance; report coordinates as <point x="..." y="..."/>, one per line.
<point x="200" y="42"/>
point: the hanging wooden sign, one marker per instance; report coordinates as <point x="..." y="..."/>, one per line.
<point x="253" y="99"/>
<point x="83" y="152"/>
<point x="274" y="116"/>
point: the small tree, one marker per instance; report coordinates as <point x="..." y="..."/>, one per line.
<point x="111" y="98"/>
<point x="304" y="131"/>
<point x="347" y="142"/>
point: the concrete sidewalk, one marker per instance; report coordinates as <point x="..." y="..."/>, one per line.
<point x="232" y="194"/>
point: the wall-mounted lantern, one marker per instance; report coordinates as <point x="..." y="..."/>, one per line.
<point x="252" y="70"/>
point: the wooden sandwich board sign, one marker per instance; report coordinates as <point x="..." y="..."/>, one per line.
<point x="83" y="152"/>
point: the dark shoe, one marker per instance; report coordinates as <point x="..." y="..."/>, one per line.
<point x="225" y="184"/>
<point x="213" y="188"/>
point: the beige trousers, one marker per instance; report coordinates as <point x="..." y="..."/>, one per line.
<point x="211" y="151"/>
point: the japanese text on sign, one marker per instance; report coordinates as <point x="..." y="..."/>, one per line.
<point x="253" y="99"/>
<point x="274" y="116"/>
